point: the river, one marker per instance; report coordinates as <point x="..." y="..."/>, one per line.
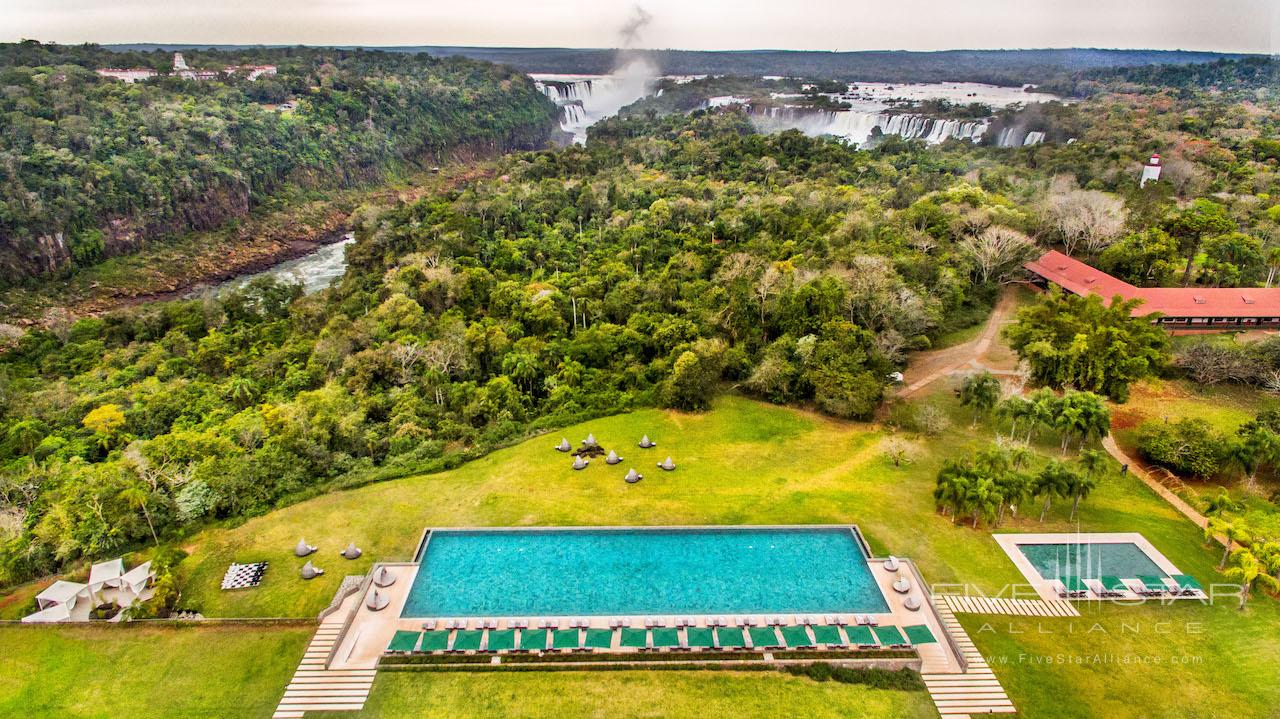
<point x="315" y="271"/>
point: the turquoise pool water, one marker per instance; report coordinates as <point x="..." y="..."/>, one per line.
<point x="1090" y="561"/>
<point x="642" y="571"/>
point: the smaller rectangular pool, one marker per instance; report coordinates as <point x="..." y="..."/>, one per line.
<point x="1090" y="560"/>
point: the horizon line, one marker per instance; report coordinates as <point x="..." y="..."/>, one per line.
<point x="345" y="46"/>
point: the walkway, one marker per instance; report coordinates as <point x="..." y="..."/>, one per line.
<point x="974" y="691"/>
<point x="1009" y="607"/>
<point x="926" y="368"/>
<point x="1137" y="470"/>
<point x="315" y="688"/>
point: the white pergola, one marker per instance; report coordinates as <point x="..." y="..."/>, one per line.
<point x="54" y="613"/>
<point x="105" y="574"/>
<point x="135" y="580"/>
<point x="61" y="592"/>
<point x="108" y="583"/>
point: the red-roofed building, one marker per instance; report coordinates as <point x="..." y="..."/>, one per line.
<point x="1180" y="307"/>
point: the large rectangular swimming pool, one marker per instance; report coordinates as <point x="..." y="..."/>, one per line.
<point x="1090" y="560"/>
<point x="570" y="572"/>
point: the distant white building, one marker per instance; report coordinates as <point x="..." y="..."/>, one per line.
<point x="1150" y="171"/>
<point x="181" y="69"/>
<point x="127" y="74"/>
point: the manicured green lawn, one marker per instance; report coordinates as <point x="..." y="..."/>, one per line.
<point x="744" y="463"/>
<point x="1187" y="660"/>
<point x="136" y="671"/>
<point x="616" y="695"/>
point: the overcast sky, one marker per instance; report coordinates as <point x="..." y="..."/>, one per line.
<point x="1224" y="25"/>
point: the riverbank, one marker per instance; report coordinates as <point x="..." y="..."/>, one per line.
<point x="198" y="261"/>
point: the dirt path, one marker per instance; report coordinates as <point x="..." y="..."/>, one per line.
<point x="927" y="367"/>
<point x="1137" y="470"/>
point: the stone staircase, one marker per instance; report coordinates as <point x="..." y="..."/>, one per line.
<point x="1012" y="607"/>
<point x="958" y="695"/>
<point x="315" y="688"/>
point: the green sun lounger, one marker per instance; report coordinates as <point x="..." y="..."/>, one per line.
<point x="730" y="638"/>
<point x="1187" y="584"/>
<point x="635" y="638"/>
<point x="566" y="639"/>
<point x="599" y="639"/>
<point x="467" y="640"/>
<point x="501" y="640"/>
<point x="890" y="636"/>
<point x="919" y="634"/>
<point x="1113" y="586"/>
<point x="1072" y="586"/>
<point x="828" y="636"/>
<point x="1153" y="585"/>
<point x="699" y="638"/>
<point x="437" y="641"/>
<point x="664" y="638"/>
<point x="533" y="640"/>
<point x="860" y="635"/>
<point x="404" y="641"/>
<point x="796" y="637"/>
<point x="763" y="638"/>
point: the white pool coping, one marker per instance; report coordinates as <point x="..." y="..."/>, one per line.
<point x="1044" y="587"/>
<point x="369" y="632"/>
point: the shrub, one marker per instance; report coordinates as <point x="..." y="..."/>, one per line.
<point x="1188" y="446"/>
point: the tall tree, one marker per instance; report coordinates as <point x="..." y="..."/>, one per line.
<point x="980" y="391"/>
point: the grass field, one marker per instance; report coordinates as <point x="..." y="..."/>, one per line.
<point x="137" y="671"/>
<point x="621" y="695"/>
<point x="744" y="463"/>
<point x="1187" y="661"/>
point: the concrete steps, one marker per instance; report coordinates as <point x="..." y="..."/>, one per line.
<point x="958" y="695"/>
<point x="315" y="688"/>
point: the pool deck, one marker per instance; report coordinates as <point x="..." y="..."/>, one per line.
<point x="369" y="632"/>
<point x="1044" y="587"/>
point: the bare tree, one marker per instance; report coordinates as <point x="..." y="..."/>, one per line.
<point x="897" y="450"/>
<point x="996" y="252"/>
<point x="406" y="356"/>
<point x="1086" y="217"/>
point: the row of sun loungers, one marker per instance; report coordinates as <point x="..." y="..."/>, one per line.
<point x="794" y="636"/>
<point x="1109" y="587"/>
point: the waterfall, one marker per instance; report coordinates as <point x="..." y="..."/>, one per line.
<point x="585" y="100"/>
<point x="858" y="126"/>
<point x="1018" y="136"/>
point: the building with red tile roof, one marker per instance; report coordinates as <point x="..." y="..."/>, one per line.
<point x="1181" y="307"/>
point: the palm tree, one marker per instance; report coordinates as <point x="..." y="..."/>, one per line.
<point x="1044" y="407"/>
<point x="1249" y="571"/>
<point x="980" y="391"/>
<point x="1221" y="503"/>
<point x="1256" y="447"/>
<point x="1015" y="409"/>
<point x="982" y="498"/>
<point x="1080" y="486"/>
<point x="1234" y="532"/>
<point x="952" y="484"/>
<point x="137" y="496"/>
<point x="1055" y="480"/>
<point x="1014" y="488"/>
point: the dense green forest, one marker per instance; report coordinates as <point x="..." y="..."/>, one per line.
<point x="92" y="167"/>
<point x="673" y="256"/>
